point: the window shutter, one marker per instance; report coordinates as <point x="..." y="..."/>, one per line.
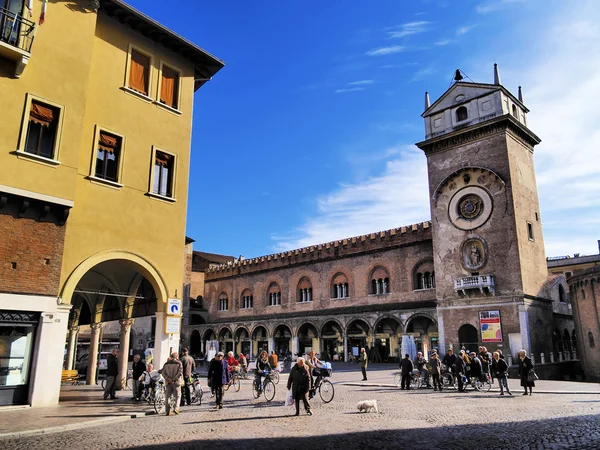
<point x="41" y="114"/>
<point x="168" y="87"/>
<point x="138" y="73"/>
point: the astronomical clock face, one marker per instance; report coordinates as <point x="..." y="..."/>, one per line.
<point x="470" y="208"/>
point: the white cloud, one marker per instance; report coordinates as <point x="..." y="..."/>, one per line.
<point x="395" y="198"/>
<point x="340" y="91"/>
<point x="422" y="73"/>
<point x="386" y="50"/>
<point x="408" y="29"/>
<point x="442" y="42"/>
<point x="464" y="30"/>
<point x="495" y="5"/>
<point x="361" y="83"/>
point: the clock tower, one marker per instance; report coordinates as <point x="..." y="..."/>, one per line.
<point x="488" y="247"/>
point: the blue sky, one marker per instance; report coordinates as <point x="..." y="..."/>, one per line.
<point x="307" y="134"/>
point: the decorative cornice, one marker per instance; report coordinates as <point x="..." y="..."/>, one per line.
<point x="463" y="136"/>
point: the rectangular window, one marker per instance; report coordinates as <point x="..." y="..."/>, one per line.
<point x="139" y="72"/>
<point x="169" y="87"/>
<point x="108" y="155"/>
<point x="164" y="165"/>
<point x="530" y="231"/>
<point x="42" y="129"/>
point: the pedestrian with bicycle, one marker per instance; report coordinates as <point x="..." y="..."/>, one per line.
<point x="313" y="363"/>
<point x="138" y="368"/>
<point x="112" y="371"/>
<point x="262" y="365"/>
<point x="486" y="360"/>
<point x="476" y="368"/>
<point x="300" y="383"/>
<point x="436" y="371"/>
<point x="421" y="364"/>
<point x="172" y="372"/>
<point x="460" y="369"/>
<point x="406" y="368"/>
<point x="363" y="359"/>
<point x="500" y="371"/>
<point x="189" y="366"/>
<point x="218" y="376"/>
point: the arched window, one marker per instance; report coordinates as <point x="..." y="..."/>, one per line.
<point x="573" y="340"/>
<point x="424" y="276"/>
<point x="223" y="302"/>
<point x="561" y="294"/>
<point x="380" y="281"/>
<point x="515" y="111"/>
<point x="461" y="114"/>
<point x="247" y="300"/>
<point x="591" y="339"/>
<point x="304" y="291"/>
<point x="339" y="286"/>
<point x="566" y="341"/>
<point x="274" y="295"/>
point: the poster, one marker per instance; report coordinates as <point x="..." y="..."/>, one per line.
<point x="489" y="323"/>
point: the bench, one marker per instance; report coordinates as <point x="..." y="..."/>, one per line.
<point x="71" y="376"/>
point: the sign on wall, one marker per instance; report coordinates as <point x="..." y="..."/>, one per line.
<point x="174" y="306"/>
<point x="491" y="329"/>
<point x="172" y="324"/>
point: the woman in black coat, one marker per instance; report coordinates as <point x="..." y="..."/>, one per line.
<point x="525" y="366"/>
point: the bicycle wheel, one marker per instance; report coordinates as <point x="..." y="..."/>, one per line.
<point x="398" y="379"/>
<point x="197" y="394"/>
<point x="326" y="391"/>
<point x="159" y="401"/>
<point x="255" y="391"/>
<point x="129" y="384"/>
<point x="416" y="382"/>
<point x="448" y="381"/>
<point x="269" y="390"/>
<point x="477" y="385"/>
<point x="275" y="377"/>
<point x="235" y="382"/>
<point x="103" y="383"/>
<point x="486" y="386"/>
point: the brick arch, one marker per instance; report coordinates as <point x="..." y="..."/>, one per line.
<point x="379" y="271"/>
<point x="304" y="282"/>
<point x="427" y="316"/>
<point x="221" y="329"/>
<point x="331" y="319"/>
<point x="400" y="328"/>
<point x="306" y="322"/>
<point x="339" y="275"/>
<point x="422" y="267"/>
<point x="206" y="331"/>
<point x="269" y="333"/>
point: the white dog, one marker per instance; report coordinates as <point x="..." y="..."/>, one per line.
<point x="367" y="406"/>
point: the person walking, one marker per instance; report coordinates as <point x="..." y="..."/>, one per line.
<point x="172" y="372"/>
<point x="406" y="368"/>
<point x="189" y="366"/>
<point x="460" y="370"/>
<point x="273" y="360"/>
<point x="363" y="359"/>
<point x="112" y="371"/>
<point x="137" y="370"/>
<point x="421" y="364"/>
<point x="500" y="372"/>
<point x="436" y="371"/>
<point x="218" y="376"/>
<point x="486" y="361"/>
<point x="300" y="383"/>
<point x="525" y="367"/>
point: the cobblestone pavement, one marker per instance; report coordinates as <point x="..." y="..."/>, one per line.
<point x="417" y="419"/>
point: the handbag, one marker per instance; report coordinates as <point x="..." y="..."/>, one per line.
<point x="532" y="376"/>
<point x="289" y="399"/>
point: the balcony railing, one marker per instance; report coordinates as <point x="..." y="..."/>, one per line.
<point x="15" y="30"/>
<point x="481" y="282"/>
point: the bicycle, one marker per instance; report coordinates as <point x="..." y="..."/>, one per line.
<point x="447" y="379"/>
<point x="160" y="400"/>
<point x="243" y="372"/>
<point x="233" y="381"/>
<point x="128" y="382"/>
<point x="267" y="388"/>
<point x="324" y="386"/>
<point x="477" y="384"/>
<point x="197" y="392"/>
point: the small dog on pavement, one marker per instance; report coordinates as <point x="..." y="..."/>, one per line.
<point x="367" y="406"/>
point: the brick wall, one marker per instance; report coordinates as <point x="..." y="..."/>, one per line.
<point x="31" y="251"/>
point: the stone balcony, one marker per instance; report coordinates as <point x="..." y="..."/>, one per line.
<point x="484" y="283"/>
<point x="16" y="38"/>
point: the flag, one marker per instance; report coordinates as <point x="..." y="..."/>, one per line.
<point x="30" y="7"/>
<point x="43" y="14"/>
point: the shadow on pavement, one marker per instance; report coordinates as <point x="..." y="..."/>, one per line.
<point x="577" y="432"/>
<point x="239" y="419"/>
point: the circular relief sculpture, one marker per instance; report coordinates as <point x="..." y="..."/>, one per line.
<point x="470" y="208"/>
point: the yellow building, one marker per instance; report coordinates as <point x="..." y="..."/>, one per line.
<point x="94" y="161"/>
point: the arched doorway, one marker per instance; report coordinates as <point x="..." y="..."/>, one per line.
<point x="195" y="343"/>
<point x="282" y="340"/>
<point x="424" y="331"/>
<point x="386" y="339"/>
<point x="211" y="343"/>
<point x="225" y="340"/>
<point x="468" y="338"/>
<point x="357" y="332"/>
<point x="244" y="344"/>
<point x="308" y="339"/>
<point x="260" y="340"/>
<point x="331" y="335"/>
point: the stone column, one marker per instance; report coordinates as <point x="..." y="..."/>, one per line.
<point x="524" y="327"/>
<point x="202" y="346"/>
<point x="93" y="353"/>
<point x="345" y="358"/>
<point x="442" y="337"/>
<point x="124" y="351"/>
<point x="164" y="343"/>
<point x="72" y="348"/>
<point x="294" y="345"/>
<point x="271" y="345"/>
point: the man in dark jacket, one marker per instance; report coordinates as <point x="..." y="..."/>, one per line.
<point x="138" y="368"/>
<point x="406" y="367"/>
<point x="421" y="364"/>
<point x="476" y="367"/>
<point x="189" y="365"/>
<point x="218" y="376"/>
<point x="436" y="365"/>
<point x="299" y="382"/>
<point x="486" y="359"/>
<point x="449" y="360"/>
<point x="460" y="370"/>
<point x="112" y="371"/>
<point x="172" y="372"/>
